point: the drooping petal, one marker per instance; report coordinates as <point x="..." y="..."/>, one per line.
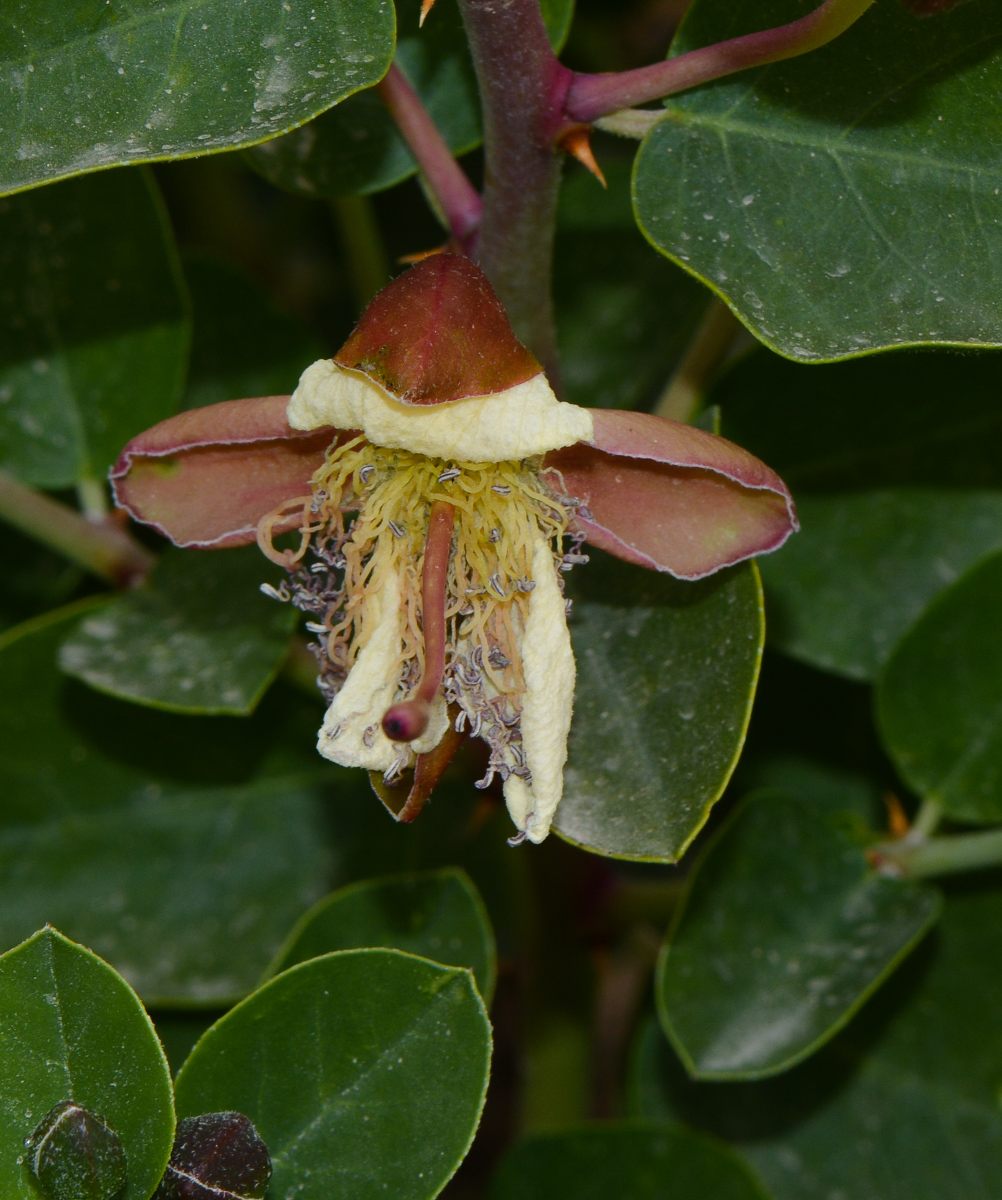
<point x="438" y="333"/>
<point x="352" y="733"/>
<point x="521" y="422"/>
<point x="672" y="497"/>
<point x="206" y="477"/>
<point x="547" y="704"/>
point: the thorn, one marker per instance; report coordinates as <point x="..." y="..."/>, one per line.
<point x="577" y="141"/>
<point x="426" y="7"/>
<point x="897" y="819"/>
<point x="449" y="247"/>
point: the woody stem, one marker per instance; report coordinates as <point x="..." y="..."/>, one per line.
<point x="522" y="87"/>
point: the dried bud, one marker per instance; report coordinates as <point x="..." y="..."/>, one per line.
<point x="217" y="1156"/>
<point x="75" y="1155"/>
<point x="930" y="8"/>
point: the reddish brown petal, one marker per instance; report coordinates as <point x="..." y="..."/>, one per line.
<point x="672" y="497"/>
<point x="438" y="333"/>
<point x="207" y="476"/>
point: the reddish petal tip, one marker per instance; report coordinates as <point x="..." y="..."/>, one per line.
<point x="207" y="476"/>
<point x="672" y="497"/>
<point x="438" y="333"/>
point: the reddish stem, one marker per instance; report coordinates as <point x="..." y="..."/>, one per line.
<point x="592" y="96"/>
<point x="408" y="720"/>
<point x="522" y="88"/>
<point x="457" y="196"/>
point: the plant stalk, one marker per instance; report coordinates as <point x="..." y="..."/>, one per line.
<point x="941" y="855"/>
<point x="706" y="351"/>
<point x="447" y="180"/>
<point x="363" y="247"/>
<point x="102" y="548"/>
<point x="592" y="96"/>
<point x="522" y="89"/>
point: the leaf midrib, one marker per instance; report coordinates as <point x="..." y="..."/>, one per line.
<point x="831" y="148"/>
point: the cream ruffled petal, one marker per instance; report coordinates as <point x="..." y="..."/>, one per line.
<point x="521" y="422"/>
<point x="371" y="687"/>
<point x="548" y="667"/>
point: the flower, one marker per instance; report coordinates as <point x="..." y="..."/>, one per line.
<point x="441" y="491"/>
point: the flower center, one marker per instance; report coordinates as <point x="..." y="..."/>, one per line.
<point x="459" y="537"/>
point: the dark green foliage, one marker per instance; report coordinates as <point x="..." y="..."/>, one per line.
<point x="806" y="1016"/>
<point x="659" y="663"/>
<point x="840" y="201"/>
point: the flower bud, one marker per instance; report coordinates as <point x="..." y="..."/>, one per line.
<point x="217" y="1156"/>
<point x="76" y="1155"/>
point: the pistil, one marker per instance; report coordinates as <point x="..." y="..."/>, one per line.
<point x="406" y="721"/>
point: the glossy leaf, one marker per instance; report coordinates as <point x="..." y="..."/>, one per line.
<point x="363" y="1071"/>
<point x="356" y="148"/>
<point x="903" y="1105"/>
<point x="242" y="345"/>
<point x="897" y="492"/>
<point x="844" y="201"/>
<point x="434" y="914"/>
<point x="784" y="934"/>
<point x="72" y="1029"/>
<point x="630" y="1160"/>
<point x="94" y="326"/>
<point x="198" y="637"/>
<point x="181" y="848"/>
<point x="89" y="88"/>
<point x="939" y="699"/>
<point x="666" y="677"/>
<point x="624" y="315"/>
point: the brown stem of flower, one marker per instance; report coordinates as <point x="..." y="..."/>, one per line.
<point x="409" y="719"/>
<point x="103" y="548"/>
<point x="458" y="198"/>
<point x="592" y="96"/>
<point x="522" y="89"/>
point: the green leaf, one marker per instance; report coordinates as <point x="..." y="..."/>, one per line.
<point x="364" y="1072"/>
<point x="630" y="1160"/>
<point x="939" y="699"/>
<point x="844" y="201"/>
<point x="89" y="86"/>
<point x="434" y="914"/>
<point x="356" y="148"/>
<point x="784" y="934"/>
<point x="72" y="1029"/>
<point x="198" y="637"/>
<point x="898" y="493"/>
<point x="34" y="578"/>
<point x="624" y="315"/>
<point x="903" y="1105"/>
<point x="181" y="848"/>
<point x="94" y="327"/>
<point x="666" y="678"/>
<point x="242" y="345"/>
<point x="557" y="15"/>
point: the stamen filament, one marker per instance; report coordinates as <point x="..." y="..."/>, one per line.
<point x="408" y="720"/>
